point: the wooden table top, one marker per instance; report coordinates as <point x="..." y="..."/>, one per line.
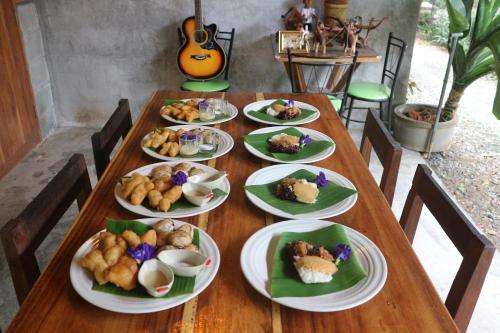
<point x="407" y="302"/>
<point x="336" y="53"/>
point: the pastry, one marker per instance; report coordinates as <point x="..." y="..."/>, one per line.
<point x="297" y="190"/>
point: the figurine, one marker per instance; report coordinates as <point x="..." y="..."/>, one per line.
<point x="293" y="19"/>
<point x="321" y="33"/>
<point x="372" y="25"/>
<point x="304" y="41"/>
<point x="351" y="36"/>
<point x="308" y="12"/>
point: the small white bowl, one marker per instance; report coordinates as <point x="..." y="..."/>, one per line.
<point x="154" y="266"/>
<point x="196" y="194"/>
<point x="211" y="180"/>
<point x="184" y="262"/>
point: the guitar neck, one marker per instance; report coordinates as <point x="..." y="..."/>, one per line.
<point x="197" y="15"/>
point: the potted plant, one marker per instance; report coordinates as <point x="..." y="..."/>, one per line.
<point x="477" y="54"/>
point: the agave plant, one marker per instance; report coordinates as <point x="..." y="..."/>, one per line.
<point x="478" y="50"/>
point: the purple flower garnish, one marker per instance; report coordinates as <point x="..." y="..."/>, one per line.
<point x="342" y="252"/>
<point x="188" y="136"/>
<point x="179" y="178"/>
<point x="142" y="252"/>
<point x="304" y="140"/>
<point x="321" y="180"/>
<point x="289" y="104"/>
<point x="203" y="105"/>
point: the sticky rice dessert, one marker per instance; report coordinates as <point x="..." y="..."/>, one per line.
<point x="313" y="269"/>
<point x="297" y="190"/>
<point x="284" y="143"/>
<point x="288" y="111"/>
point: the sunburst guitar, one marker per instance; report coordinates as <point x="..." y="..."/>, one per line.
<point x="200" y="57"/>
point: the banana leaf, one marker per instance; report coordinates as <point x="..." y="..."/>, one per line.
<point x="260" y="142"/>
<point x="262" y="115"/>
<point x="182" y="285"/>
<point x="328" y="195"/>
<point x="285" y="281"/>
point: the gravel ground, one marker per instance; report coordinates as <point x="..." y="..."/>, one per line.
<point x="469" y="168"/>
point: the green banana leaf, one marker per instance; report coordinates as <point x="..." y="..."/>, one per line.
<point x="328" y="195"/>
<point x="260" y="142"/>
<point x="285" y="281"/>
<point x="182" y="285"/>
<point x="262" y="115"/>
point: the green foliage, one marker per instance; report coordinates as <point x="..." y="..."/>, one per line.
<point x="478" y="51"/>
<point x="434" y="30"/>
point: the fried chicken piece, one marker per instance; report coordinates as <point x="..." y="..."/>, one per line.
<point x="132" y="239"/>
<point x="124" y="273"/>
<point x="149" y="237"/>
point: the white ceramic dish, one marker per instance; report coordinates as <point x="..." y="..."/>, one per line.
<point x="151" y="266"/>
<point x="141" y="210"/>
<point x="232" y="113"/>
<point x="255" y="106"/>
<point x="226" y="143"/>
<point x="210" y="181"/>
<point x="81" y="279"/>
<point x="277" y="172"/>
<point x="184" y="262"/>
<point x="191" y="193"/>
<point x="257" y="253"/>
<point x="314" y="135"/>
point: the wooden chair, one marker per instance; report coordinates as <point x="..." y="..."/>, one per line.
<point x="387" y="149"/>
<point x="477" y="251"/>
<point x="104" y="142"/>
<point x="24" y="234"/>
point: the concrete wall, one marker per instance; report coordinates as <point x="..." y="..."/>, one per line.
<point x="29" y="24"/>
<point x="99" y="51"/>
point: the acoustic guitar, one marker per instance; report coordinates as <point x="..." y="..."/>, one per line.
<point x="200" y="57"/>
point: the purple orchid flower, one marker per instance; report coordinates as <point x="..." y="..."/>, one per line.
<point x="321" y="180"/>
<point x="304" y="140"/>
<point x="289" y="104"/>
<point x="142" y="252"/>
<point x="342" y="252"/>
<point x="179" y="178"/>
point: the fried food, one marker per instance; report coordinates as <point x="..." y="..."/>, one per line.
<point x="106" y="240"/>
<point x="135" y="181"/>
<point x="131" y="238"/>
<point x="162" y="184"/>
<point x="161" y="171"/>
<point x="112" y="254"/>
<point x="154" y="197"/>
<point x="92" y="259"/>
<point x="140" y="192"/>
<point x="183" y="167"/>
<point x="149" y="237"/>
<point x="170" y="197"/>
<point x="124" y="273"/>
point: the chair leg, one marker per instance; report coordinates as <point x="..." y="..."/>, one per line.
<point x="389" y="114"/>
<point x="381" y="110"/>
<point x="349" y="113"/>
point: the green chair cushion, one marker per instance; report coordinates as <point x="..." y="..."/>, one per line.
<point x="206" y="86"/>
<point x="369" y="91"/>
<point x="337" y="103"/>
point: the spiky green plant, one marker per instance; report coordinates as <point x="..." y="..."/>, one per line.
<point x="478" y="51"/>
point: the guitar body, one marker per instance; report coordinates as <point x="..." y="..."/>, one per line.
<point x="201" y="57"/>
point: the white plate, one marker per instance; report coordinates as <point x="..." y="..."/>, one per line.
<point x="81" y="279"/>
<point x="258" y="251"/>
<point x="226" y="143"/>
<point x="141" y="210"/>
<point x="277" y="172"/>
<point x="315" y="135"/>
<point x="255" y="106"/>
<point x="233" y="112"/>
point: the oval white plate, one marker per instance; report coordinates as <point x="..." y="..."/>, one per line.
<point x="141" y="210"/>
<point x="315" y="135"/>
<point x="81" y="279"/>
<point x="226" y="143"/>
<point x="256" y="260"/>
<point x="277" y="172"/>
<point x="233" y="112"/>
<point x="255" y="106"/>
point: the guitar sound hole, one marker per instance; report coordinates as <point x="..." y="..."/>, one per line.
<point x="200" y="36"/>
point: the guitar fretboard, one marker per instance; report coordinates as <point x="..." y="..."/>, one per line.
<point x="197" y="14"/>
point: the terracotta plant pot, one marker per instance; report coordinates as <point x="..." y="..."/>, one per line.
<point x="413" y="134"/>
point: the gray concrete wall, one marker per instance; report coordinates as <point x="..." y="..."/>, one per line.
<point x="27" y="17"/>
<point x="99" y="51"/>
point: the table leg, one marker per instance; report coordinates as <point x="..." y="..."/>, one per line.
<point x="298" y="74"/>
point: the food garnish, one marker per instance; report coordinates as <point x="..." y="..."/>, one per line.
<point x="321" y="180"/>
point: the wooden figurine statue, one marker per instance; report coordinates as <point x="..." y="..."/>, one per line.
<point x="308" y="12"/>
<point x="351" y="36"/>
<point x="321" y="34"/>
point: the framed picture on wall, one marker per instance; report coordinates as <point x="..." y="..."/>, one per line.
<point x="295" y="40"/>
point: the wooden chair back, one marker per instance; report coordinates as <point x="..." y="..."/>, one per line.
<point x="104" y="142"/>
<point x="24" y="234"/>
<point x="387" y="149"/>
<point x="477" y="251"/>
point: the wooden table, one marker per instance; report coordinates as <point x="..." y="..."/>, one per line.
<point x="336" y="81"/>
<point x="408" y="301"/>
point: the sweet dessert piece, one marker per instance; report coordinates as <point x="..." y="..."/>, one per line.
<point x="287" y="111"/>
<point x="315" y="264"/>
<point x="297" y="190"/>
<point x="285" y="143"/>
